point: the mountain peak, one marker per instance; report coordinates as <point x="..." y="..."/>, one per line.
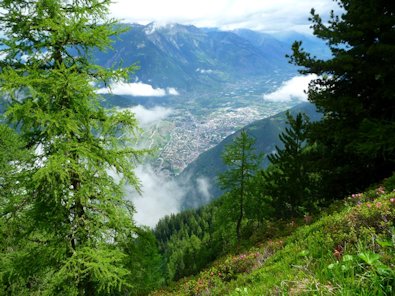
<point x="174" y="28"/>
<point x="153" y="27"/>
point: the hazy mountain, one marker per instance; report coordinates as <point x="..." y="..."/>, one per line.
<point x="204" y="170"/>
<point x="274" y="48"/>
<point x="190" y="58"/>
<point x="311" y="43"/>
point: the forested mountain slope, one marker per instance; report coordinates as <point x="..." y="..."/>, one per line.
<point x="348" y="250"/>
<point x="209" y="164"/>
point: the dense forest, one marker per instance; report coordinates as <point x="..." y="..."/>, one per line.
<point x="66" y="229"/>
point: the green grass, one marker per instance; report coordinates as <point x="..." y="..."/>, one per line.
<point x="348" y="252"/>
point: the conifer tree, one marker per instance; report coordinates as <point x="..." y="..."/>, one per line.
<point x="243" y="164"/>
<point x="12" y="156"/>
<point x="289" y="180"/>
<point x="72" y="217"/>
<point x="356" y="93"/>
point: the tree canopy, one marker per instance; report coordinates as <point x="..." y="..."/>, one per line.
<point x="289" y="179"/>
<point x="243" y="164"/>
<point x="355" y="90"/>
<point x="68" y="225"/>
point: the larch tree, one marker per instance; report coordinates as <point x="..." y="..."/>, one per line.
<point x="68" y="225"/>
<point x="243" y="164"/>
<point x="355" y="90"/>
<point x="12" y="156"/>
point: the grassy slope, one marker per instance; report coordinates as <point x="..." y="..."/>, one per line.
<point x="350" y="251"/>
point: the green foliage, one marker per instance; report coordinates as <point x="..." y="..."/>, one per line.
<point x="290" y="179"/>
<point x="12" y="155"/>
<point x="144" y="262"/>
<point x="102" y="266"/>
<point x="350" y="252"/>
<point x="389" y="183"/>
<point x="265" y="133"/>
<point x="243" y="165"/>
<point x="355" y="90"/>
<point x="188" y="241"/>
<point x="66" y="222"/>
<point x="224" y="271"/>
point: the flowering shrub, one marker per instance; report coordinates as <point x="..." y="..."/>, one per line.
<point x="228" y="269"/>
<point x="349" y="252"/>
<point x="369" y="196"/>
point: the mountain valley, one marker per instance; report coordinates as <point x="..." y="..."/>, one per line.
<point x="218" y="78"/>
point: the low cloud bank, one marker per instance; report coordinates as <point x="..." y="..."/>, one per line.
<point x="137" y="89"/>
<point x="163" y="195"/>
<point x="147" y="116"/>
<point x="293" y="89"/>
<point x="172" y="91"/>
<point x="160" y="196"/>
<point x="203" y="187"/>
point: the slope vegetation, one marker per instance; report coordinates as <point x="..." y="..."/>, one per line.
<point x="349" y="250"/>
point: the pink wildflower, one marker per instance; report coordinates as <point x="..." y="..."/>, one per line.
<point x="369" y="205"/>
<point x="392" y="200"/>
<point x="380" y="190"/>
<point x="378" y="205"/>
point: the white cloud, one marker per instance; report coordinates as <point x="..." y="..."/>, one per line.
<point x="161" y="196"/>
<point x="146" y="116"/>
<point x="137" y="89"/>
<point x="204" y="71"/>
<point x="204" y="187"/>
<point x="172" y="91"/>
<point x="227" y="14"/>
<point x="293" y="89"/>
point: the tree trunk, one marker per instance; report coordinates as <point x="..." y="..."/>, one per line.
<point x="239" y="220"/>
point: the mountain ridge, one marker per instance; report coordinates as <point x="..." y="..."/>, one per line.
<point x="191" y="58"/>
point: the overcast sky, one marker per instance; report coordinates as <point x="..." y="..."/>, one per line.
<point x="262" y="15"/>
